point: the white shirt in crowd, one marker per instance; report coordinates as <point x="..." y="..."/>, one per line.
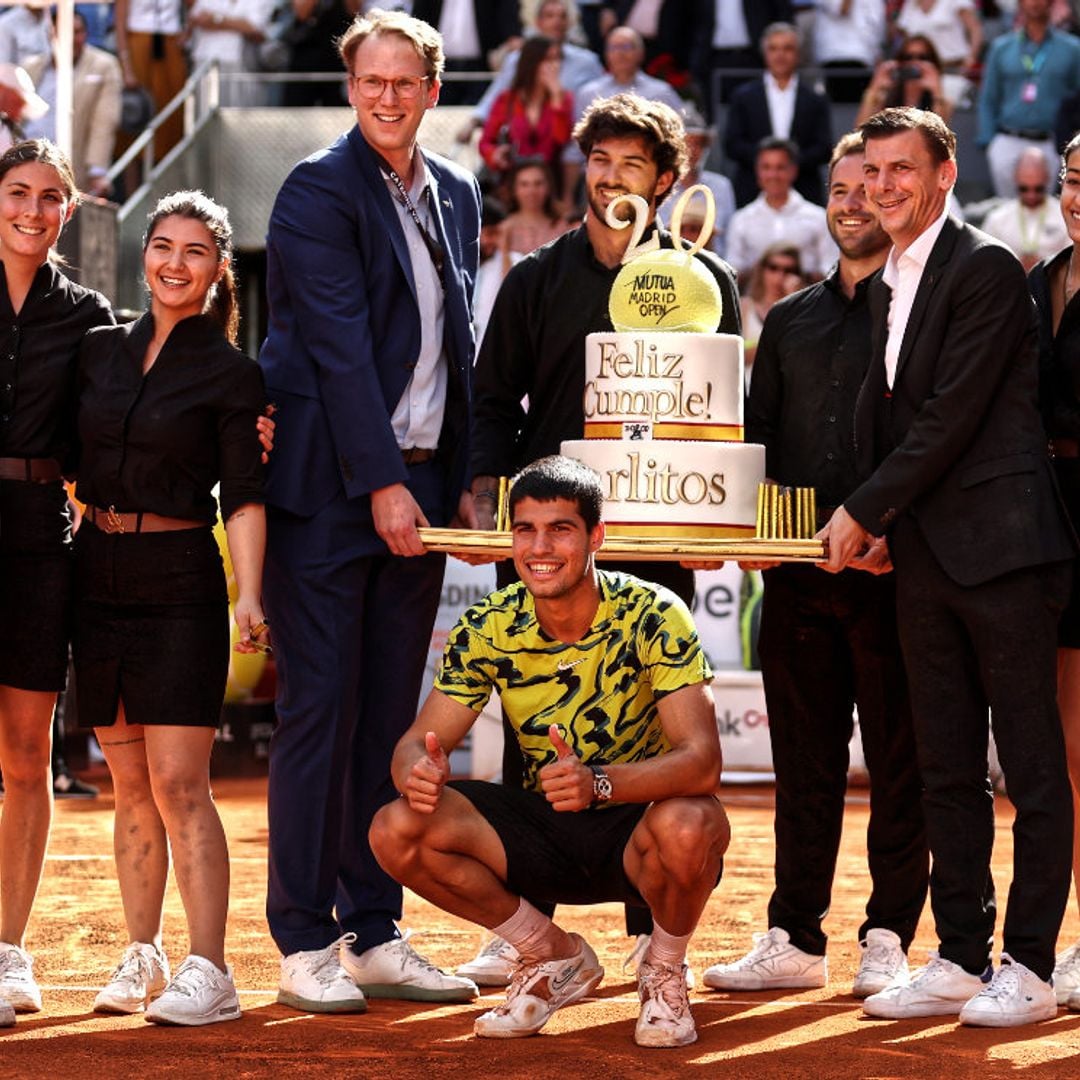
<point x="457" y="24"/>
<point x="781" y="104"/>
<point x="723" y="200"/>
<point x="1039" y="232"/>
<point x="227" y="46"/>
<point x="902" y="273"/>
<point x="855" y="36"/>
<point x="941" y="24"/>
<point x="154" y="16"/>
<point x="730" y="31"/>
<point x="799" y="221"/>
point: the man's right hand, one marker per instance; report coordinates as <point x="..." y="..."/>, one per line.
<point x="396" y="515"/>
<point x="427" y="777"/>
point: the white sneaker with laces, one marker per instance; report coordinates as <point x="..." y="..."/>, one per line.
<point x="395" y="969"/>
<point x="632" y="963"/>
<point x="199" y="993"/>
<point x="1074" y="1001"/>
<point x="140" y="977"/>
<point x="17" y="985"/>
<point x="314" y="980"/>
<point x="883" y="963"/>
<point x="772" y="964"/>
<point x="665" y="1018"/>
<point x="942" y="988"/>
<point x="7" y="1014"/>
<point x="1014" y="996"/>
<point x="493" y="965"/>
<point x="538" y="990"/>
<point x="1067" y="973"/>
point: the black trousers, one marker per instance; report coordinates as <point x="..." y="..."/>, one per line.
<point x="991" y="646"/>
<point x="828" y="643"/>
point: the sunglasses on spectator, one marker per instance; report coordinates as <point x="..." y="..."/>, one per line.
<point x="1034" y="189"/>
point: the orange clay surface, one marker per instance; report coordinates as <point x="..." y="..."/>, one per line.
<point x="77" y="936"/>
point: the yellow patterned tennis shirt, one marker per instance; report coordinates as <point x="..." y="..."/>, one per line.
<point x="601" y="690"/>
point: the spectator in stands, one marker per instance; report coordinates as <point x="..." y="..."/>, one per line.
<point x="490" y="272"/>
<point x="533" y="118"/>
<point x="776" y="274"/>
<point x="954" y="28"/>
<point x="666" y="27"/>
<point x="913" y="77"/>
<point x="1030" y="224"/>
<point x="472" y="30"/>
<point x="150" y="47"/>
<point x="848" y="35"/>
<point x="317" y="24"/>
<point x="781" y="105"/>
<point x="18" y="103"/>
<point x="1026" y="77"/>
<point x="699" y="137"/>
<point x="779" y="213"/>
<point x="727" y="35"/>
<point x="534" y="219"/>
<point x="624" y="52"/>
<point x="97" y="84"/>
<point x="579" y="65"/>
<point x="225" y="30"/>
<point x="24" y="32"/>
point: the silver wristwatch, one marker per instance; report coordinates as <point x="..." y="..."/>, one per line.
<point x="601" y="784"/>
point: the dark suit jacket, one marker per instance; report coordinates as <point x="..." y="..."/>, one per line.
<point x="970" y="461"/>
<point x="345" y="326"/>
<point x="748" y="123"/>
<point x="758" y="15"/>
<point x="496" y="20"/>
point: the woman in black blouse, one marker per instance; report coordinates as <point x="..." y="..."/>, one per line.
<point x="1055" y="284"/>
<point x="167" y="409"/>
<point x="43" y="317"/>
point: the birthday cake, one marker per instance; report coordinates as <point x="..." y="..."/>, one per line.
<point x="664" y="405"/>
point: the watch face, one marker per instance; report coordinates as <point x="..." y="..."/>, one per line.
<point x="601" y="787"/>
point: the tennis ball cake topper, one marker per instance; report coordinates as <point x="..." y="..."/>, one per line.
<point x="664" y="288"/>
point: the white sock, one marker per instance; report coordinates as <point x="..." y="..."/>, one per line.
<point x="665" y="948"/>
<point x="525" y="928"/>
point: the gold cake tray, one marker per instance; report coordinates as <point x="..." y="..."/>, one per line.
<point x="639" y="548"/>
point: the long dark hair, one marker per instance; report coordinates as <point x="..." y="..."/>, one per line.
<point x="532" y="55"/>
<point x="221" y="299"/>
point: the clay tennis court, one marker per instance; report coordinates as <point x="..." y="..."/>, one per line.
<point x="76" y="935"/>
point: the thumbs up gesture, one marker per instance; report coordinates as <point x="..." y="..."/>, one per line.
<point x="567" y="783"/>
<point x="428" y="776"/>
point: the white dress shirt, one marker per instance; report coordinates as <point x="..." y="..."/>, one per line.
<point x="730" y="31"/>
<point x="799" y="221"/>
<point x="1039" y="232"/>
<point x="457" y="24"/>
<point x="781" y="104"/>
<point x="902" y="273"/>
<point x="856" y="36"/>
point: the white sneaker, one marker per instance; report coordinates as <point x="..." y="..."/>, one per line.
<point x="140" y="977"/>
<point x="1074" y="1001"/>
<point x="538" y="990"/>
<point x="942" y="988"/>
<point x="1015" y="996"/>
<point x="7" y="1014"/>
<point x="315" y="981"/>
<point x="395" y="969"/>
<point x="493" y="965"/>
<point x="665" y="1018"/>
<point x="199" y="993"/>
<point x="1067" y="973"/>
<point x="17" y="985"/>
<point x="772" y="964"/>
<point x="632" y="964"/>
<point x="883" y="963"/>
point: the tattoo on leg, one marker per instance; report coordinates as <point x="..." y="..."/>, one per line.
<point x="121" y="742"/>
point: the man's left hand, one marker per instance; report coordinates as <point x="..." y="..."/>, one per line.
<point x="396" y="515"/>
<point x="567" y="784"/>
<point x="844" y="538"/>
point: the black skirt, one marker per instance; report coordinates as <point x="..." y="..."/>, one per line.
<point x="151" y="627"/>
<point x="35" y="585"/>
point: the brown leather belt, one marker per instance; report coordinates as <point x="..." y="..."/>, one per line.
<point x="36" y="469"/>
<point x="416" y="455"/>
<point x="111" y="521"/>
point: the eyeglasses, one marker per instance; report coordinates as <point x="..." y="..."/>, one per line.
<point x="1031" y="189"/>
<point x="406" y="87"/>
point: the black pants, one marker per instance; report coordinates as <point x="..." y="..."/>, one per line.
<point x="991" y="646"/>
<point x="828" y="643"/>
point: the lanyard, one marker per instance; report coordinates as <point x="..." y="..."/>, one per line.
<point x="1030" y="247"/>
<point x="1032" y="65"/>
<point x="434" y="248"/>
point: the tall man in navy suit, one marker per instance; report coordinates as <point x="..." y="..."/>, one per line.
<point x="372" y="253"/>
<point x="949" y="438"/>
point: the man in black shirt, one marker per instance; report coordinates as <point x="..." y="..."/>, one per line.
<point x="534" y="345"/>
<point x="830" y="642"/>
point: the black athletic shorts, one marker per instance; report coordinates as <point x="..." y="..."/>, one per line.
<point x="558" y="856"/>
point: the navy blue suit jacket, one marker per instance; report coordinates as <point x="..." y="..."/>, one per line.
<point x="344" y="329"/>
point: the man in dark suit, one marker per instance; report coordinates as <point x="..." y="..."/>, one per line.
<point x="948" y="432"/>
<point x="372" y="252"/>
<point x="727" y="36"/>
<point x="779" y="104"/>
